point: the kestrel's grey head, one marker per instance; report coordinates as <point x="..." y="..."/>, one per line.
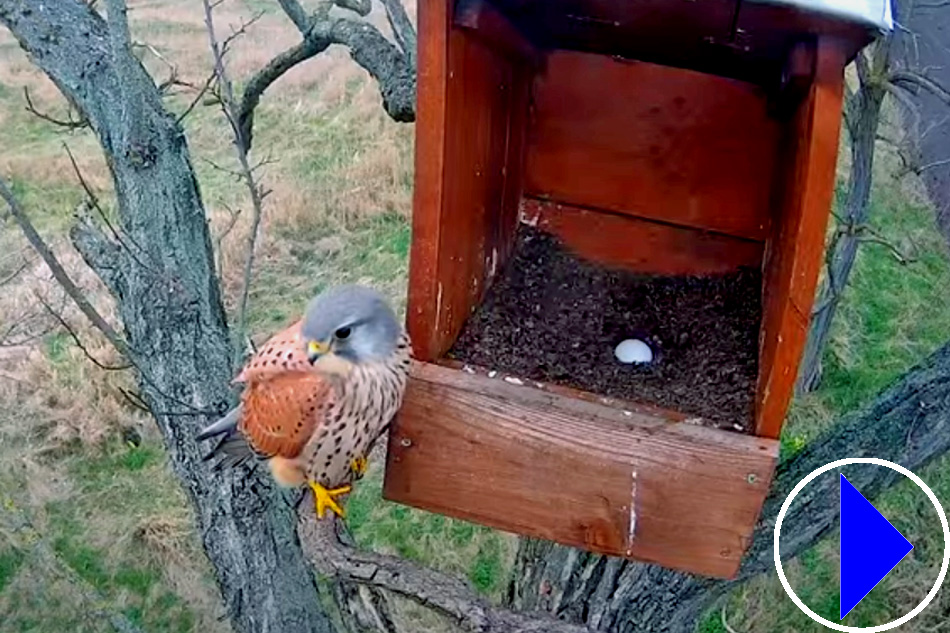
<point x="353" y="322"/>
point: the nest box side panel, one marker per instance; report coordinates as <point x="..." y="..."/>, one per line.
<point x="617" y="240"/>
<point x="535" y="462"/>
<point x="655" y="142"/>
<point x="794" y="253"/>
<point x="471" y="101"/>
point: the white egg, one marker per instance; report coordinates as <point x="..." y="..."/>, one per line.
<point x="633" y="350"/>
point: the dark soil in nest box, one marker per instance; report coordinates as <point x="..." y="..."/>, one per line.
<point x="553" y="317"/>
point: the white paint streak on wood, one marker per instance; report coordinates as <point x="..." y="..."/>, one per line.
<point x="631" y="533"/>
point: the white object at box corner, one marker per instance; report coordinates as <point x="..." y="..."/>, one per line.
<point x="874" y="13"/>
<point x="633" y="350"/>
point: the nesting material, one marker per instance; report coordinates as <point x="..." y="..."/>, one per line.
<point x="551" y="316"/>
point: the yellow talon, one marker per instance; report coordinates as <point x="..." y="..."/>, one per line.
<point x="359" y="466"/>
<point x="326" y="498"/>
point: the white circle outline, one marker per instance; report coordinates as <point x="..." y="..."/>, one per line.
<point x="893" y="623"/>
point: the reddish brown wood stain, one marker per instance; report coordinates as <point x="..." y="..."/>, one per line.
<point x="468" y="176"/>
<point x="539" y="463"/>
<point x="654" y="142"/>
<point x="794" y="257"/>
<point x="649" y="167"/>
<point x="642" y="245"/>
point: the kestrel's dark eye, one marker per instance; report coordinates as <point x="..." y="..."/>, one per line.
<point x="343" y="333"/>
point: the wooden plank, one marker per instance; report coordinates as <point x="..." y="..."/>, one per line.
<point x="654" y="142"/>
<point x="428" y="192"/>
<point x="488" y="24"/>
<point x="794" y="252"/>
<point x="642" y="245"/>
<point x="468" y="158"/>
<point x="577" y="472"/>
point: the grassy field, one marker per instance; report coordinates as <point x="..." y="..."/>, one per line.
<point x="93" y="526"/>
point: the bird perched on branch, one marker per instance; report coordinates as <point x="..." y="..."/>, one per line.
<point x="318" y="394"/>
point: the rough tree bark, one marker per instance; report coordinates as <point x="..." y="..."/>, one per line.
<point x="909" y="423"/>
<point x="862" y="118"/>
<point x="162" y="276"/>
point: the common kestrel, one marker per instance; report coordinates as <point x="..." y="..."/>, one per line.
<point x="318" y="394"/>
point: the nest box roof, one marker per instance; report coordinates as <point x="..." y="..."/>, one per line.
<point x="742" y="39"/>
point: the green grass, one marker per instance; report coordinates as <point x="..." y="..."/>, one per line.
<point x="10" y="561"/>
<point x="92" y="533"/>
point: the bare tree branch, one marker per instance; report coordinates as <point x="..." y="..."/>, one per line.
<point x="905" y="79"/>
<point x="403" y="31"/>
<point x="202" y="91"/>
<point x="393" y="67"/>
<point x="219" y="239"/>
<point x="297" y="15"/>
<point x="70" y="123"/>
<point x="172" y="79"/>
<point x="932" y="165"/>
<point x="225" y="44"/>
<point x="262" y="80"/>
<point x="72" y="333"/>
<point x="361" y="8"/>
<point x="440" y="592"/>
<point x="59" y="273"/>
<point x="229" y="107"/>
<point x="94" y="202"/>
<point x="15" y="273"/>
<point x="899" y="255"/>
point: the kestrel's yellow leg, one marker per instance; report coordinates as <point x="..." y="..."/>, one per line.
<point x="326" y="498"/>
<point x="359" y="466"/>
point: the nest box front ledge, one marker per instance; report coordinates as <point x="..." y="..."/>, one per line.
<point x="576" y="468"/>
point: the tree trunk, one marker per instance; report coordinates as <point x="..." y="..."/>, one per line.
<point x="909" y="423"/>
<point x="864" y="115"/>
<point x="159" y="267"/>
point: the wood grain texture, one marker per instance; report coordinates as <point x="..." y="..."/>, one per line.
<point x="577" y="472"/>
<point x="653" y="142"/>
<point x="472" y="102"/>
<point x="642" y="245"/>
<point x="794" y="252"/>
<point x="428" y="191"/>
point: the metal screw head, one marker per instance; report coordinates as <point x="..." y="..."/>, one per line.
<point x="405" y="442"/>
<point x="752" y="478"/>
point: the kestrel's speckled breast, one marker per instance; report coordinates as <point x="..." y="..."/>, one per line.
<point x="367" y="399"/>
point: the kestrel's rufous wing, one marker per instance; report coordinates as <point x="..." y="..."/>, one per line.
<point x="284" y="401"/>
<point x="282" y="412"/>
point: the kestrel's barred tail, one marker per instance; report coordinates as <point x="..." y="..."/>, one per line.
<point x="232" y="448"/>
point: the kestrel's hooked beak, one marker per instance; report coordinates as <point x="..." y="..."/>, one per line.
<point x="316" y="349"/>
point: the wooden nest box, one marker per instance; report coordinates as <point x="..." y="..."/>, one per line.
<point x="657" y="139"/>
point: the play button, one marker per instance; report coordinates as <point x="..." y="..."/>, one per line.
<point x="870" y="547"/>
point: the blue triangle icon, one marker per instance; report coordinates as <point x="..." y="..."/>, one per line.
<point x="870" y="547"/>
